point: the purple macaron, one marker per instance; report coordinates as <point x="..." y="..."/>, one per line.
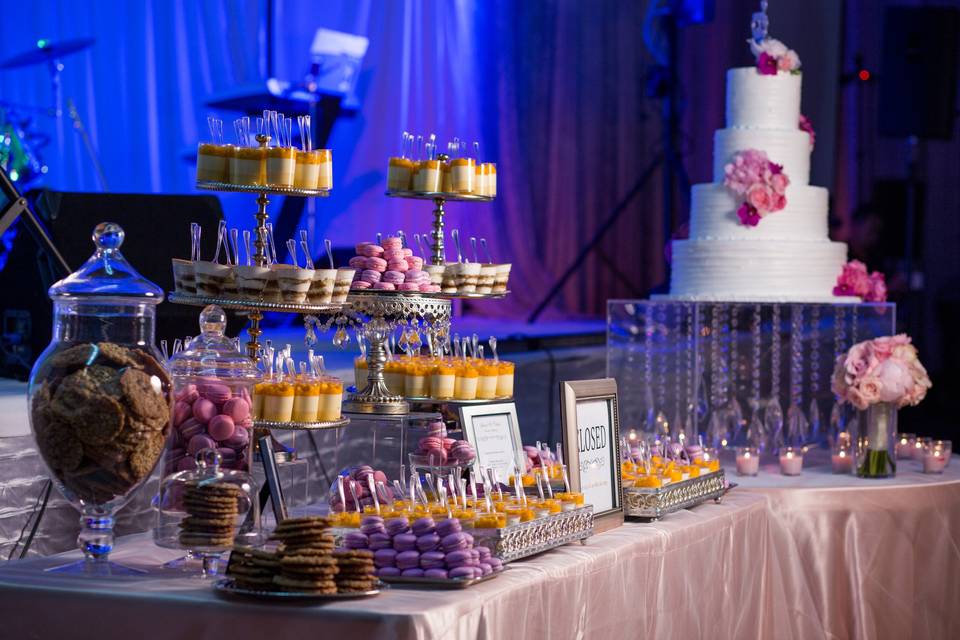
<point x="416" y="572"/>
<point x="432" y="560"/>
<point x="380" y="541"/>
<point x="385" y="558"/>
<point x="486" y="568"/>
<point x="388" y="572"/>
<point x="397" y="526"/>
<point x="405" y="542"/>
<point x="428" y="542"/>
<point x="372" y="524"/>
<point x="423" y="526"/>
<point x="189" y="428"/>
<point x="199" y="443"/>
<point x="453" y="542"/>
<point x="221" y="428"/>
<point x="203" y="410"/>
<point x="447" y="526"/>
<point x="408" y="559"/>
<point x="484" y="553"/>
<point x="459" y="558"/>
<point x="356" y="540"/>
<point x="463" y="573"/>
<point x="438" y="574"/>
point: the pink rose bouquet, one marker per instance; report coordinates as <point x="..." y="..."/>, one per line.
<point x="884" y="369"/>
<point x="773" y="56"/>
<point x="854" y="280"/>
<point x="806" y="125"/>
<point x="761" y="183"/>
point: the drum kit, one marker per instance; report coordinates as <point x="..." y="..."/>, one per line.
<point x="21" y="141"/>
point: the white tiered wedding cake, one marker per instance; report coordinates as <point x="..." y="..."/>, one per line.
<point x="778" y="250"/>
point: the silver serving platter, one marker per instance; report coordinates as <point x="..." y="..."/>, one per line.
<point x="275" y="189"/>
<point x="530" y="538"/>
<point x="654" y="503"/>
<point x="434" y="195"/>
<point x="359" y="293"/>
<point x="301" y="426"/>
<point x="437" y="583"/>
<point x="425" y="400"/>
<point x="228" y="587"/>
<point x="255" y="305"/>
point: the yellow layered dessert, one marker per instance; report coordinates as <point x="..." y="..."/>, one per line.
<point x="468" y="379"/>
<point x="307" y="171"/>
<point x="278" y="398"/>
<point x="462" y="175"/>
<point x="445" y="178"/>
<point x="487" y="382"/>
<point x="417" y="380"/>
<point x="306" y="399"/>
<point x="490" y="179"/>
<point x="281" y="166"/>
<point x="443" y="381"/>
<point x="248" y="166"/>
<point x="427" y="177"/>
<point x="325" y="177"/>
<point x="331" y="399"/>
<point x="492" y="520"/>
<point x="393" y="376"/>
<point x="399" y="174"/>
<point x="213" y="162"/>
<point x="505" y="379"/>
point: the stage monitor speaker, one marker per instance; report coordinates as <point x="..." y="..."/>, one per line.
<point x="157" y="228"/>
<point x="918" y="76"/>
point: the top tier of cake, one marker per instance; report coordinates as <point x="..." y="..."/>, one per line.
<point x="756" y="101"/>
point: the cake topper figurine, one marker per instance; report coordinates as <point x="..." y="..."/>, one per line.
<point x="759" y="23"/>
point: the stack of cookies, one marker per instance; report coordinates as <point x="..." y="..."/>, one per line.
<point x="212" y="510"/>
<point x="355" y="570"/>
<point x="253" y="569"/>
<point x="306" y="560"/>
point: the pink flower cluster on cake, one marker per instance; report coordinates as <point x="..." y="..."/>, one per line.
<point x="761" y="183"/>
<point x="773" y="56"/>
<point x="806" y="125"/>
<point x="885" y="369"/>
<point x="854" y="280"/>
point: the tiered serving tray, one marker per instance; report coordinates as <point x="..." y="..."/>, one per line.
<point x="238" y="304"/>
<point x="301" y="426"/>
<point x="654" y="503"/>
<point x="529" y="538"/>
<point x="275" y="189"/>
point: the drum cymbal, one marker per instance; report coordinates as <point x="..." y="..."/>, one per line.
<point x="46" y="51"/>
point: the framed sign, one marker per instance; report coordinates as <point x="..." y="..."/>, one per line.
<point x="591" y="442"/>
<point x="494" y="432"/>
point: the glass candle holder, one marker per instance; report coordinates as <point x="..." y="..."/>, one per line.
<point x="905" y="445"/>
<point x="791" y="461"/>
<point x="935" y="456"/>
<point x="748" y="461"/>
<point x="919" y="445"/>
<point x="842" y="458"/>
<point x="947" y="447"/>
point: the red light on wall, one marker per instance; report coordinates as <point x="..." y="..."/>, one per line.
<point x="864" y="75"/>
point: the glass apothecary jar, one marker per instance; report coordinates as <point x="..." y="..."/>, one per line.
<point x="100" y="397"/>
<point x="213" y="383"/>
<point x="205" y="510"/>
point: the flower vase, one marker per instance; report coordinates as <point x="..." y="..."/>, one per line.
<point x="876" y="457"/>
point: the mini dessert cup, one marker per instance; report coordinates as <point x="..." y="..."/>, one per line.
<point x="230" y="284"/>
<point x="306" y="401"/>
<point x="450" y="275"/>
<point x="399" y="174"/>
<point x="307" y="171"/>
<point x="278" y="399"/>
<point x="331" y="399"/>
<point x="487" y="384"/>
<point x="468" y="379"/>
<point x="505" y="379"/>
<point x="341" y="286"/>
<point x="436" y="273"/>
<point x="211" y="277"/>
<point x="271" y="289"/>
<point x="428" y="176"/>
<point x="294" y="283"/>
<point x="248" y="166"/>
<point x="490" y="179"/>
<point x="445" y="183"/>
<point x="251" y="281"/>
<point x="321" y="289"/>
<point x="281" y="166"/>
<point x="502" y="278"/>
<point x="462" y="175"/>
<point x="325" y="177"/>
<point x="184" y="277"/>
<point x="213" y="162"/>
<point x="468" y="274"/>
<point x="442" y="381"/>
<point x="488" y="274"/>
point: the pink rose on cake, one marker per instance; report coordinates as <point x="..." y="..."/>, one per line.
<point x="854" y="280"/>
<point x="761" y="183"/>
<point x="806" y="125"/>
<point x="773" y="56"/>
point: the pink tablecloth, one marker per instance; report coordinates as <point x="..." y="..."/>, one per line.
<point x="785" y="563"/>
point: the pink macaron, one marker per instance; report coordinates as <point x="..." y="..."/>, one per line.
<point x="221" y="427"/>
<point x="396" y="277"/>
<point x="415" y="262"/>
<point x="181" y="411"/>
<point x="416" y="275"/>
<point x="199" y="443"/>
<point x="392" y="242"/>
<point x="408" y="286"/>
<point x="370" y="250"/>
<point x="397" y="265"/>
<point x="448" y="443"/>
<point x="371" y="276"/>
<point x="360" y="245"/>
<point x="189" y="428"/>
<point x="393" y="254"/>
<point x="385" y="286"/>
<point x="436" y="457"/>
<point x="359" y="285"/>
<point x="189" y="394"/>
<point x="237" y="408"/>
<point x="215" y="392"/>
<point x="357" y="262"/>
<point x="376" y="264"/>
<point x="429" y="442"/>
<point x="203" y="410"/>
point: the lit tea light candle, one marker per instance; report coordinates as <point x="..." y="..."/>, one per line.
<point x="748" y="461"/>
<point x="791" y="461"/>
<point x="934" y="460"/>
<point x="919" y="444"/>
<point x="905" y="445"/>
<point x="842" y="461"/>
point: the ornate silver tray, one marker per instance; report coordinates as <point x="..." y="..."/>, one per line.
<point x="301" y="426"/>
<point x="357" y="294"/>
<point x="433" y="195"/>
<point x="275" y="189"/>
<point x="529" y="538"/>
<point x="454" y="401"/>
<point x="437" y="583"/>
<point x="238" y="304"/>
<point x="228" y="587"/>
<point x="654" y="503"/>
